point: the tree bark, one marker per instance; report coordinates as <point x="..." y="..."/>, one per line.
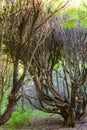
<point x="12" y="101"/>
<point x="70" y="120"/>
<point x="71" y="111"/>
<point x="8" y="112"/>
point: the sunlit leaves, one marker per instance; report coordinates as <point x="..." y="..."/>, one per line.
<point x="75" y="14"/>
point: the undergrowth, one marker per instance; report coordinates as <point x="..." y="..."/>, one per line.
<point x="19" y="116"/>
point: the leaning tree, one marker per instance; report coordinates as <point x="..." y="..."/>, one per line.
<point x="59" y="70"/>
<point x="21" y="23"/>
<point x="6" y="68"/>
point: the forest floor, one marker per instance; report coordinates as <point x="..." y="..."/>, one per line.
<point x="51" y="122"/>
<point x="46" y="123"/>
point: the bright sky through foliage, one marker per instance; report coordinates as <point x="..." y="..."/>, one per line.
<point x="76" y="2"/>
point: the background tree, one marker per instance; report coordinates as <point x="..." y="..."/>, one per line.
<point x="59" y="67"/>
<point x="22" y="22"/>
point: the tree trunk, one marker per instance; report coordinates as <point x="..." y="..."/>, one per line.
<point x="12" y="101"/>
<point x="8" y="112"/>
<point x="70" y="120"/>
<point x="71" y="110"/>
<point x="68" y="116"/>
<point x="64" y="115"/>
<point x="13" y="97"/>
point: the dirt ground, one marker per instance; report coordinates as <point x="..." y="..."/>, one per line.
<point x="47" y="123"/>
<point x="50" y="123"/>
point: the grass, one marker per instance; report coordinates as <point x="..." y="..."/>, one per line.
<point x="39" y="113"/>
<point x="19" y="117"/>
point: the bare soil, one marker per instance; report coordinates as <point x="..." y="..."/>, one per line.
<point x="47" y="123"/>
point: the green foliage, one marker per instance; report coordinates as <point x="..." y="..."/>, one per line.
<point x="86" y="65"/>
<point x="5" y="50"/>
<point x="70" y="23"/>
<point x="72" y="17"/>
<point x="19" y="117"/>
<point x="10" y="128"/>
<point x="75" y="14"/>
<point x="4" y="102"/>
<point x="52" y="5"/>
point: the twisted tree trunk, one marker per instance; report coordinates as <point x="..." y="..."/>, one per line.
<point x="8" y="112"/>
<point x="13" y="97"/>
<point x="12" y="101"/>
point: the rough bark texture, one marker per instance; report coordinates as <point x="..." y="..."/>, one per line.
<point x="12" y="101"/>
<point x="71" y="113"/>
<point x="7" y="114"/>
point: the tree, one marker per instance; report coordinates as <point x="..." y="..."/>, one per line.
<point x="59" y="67"/>
<point x="75" y="68"/>
<point x="5" y="80"/>
<point x="22" y="22"/>
<point x="75" y="14"/>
